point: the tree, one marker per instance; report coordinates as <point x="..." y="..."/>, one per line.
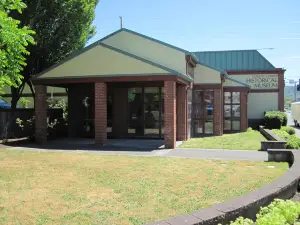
<point x="14" y="40"/>
<point x="62" y="27"/>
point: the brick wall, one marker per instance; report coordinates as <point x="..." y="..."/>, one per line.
<point x="181" y="105"/>
<point x="244" y="110"/>
<point x="281" y="91"/>
<point x="41" y="113"/>
<point x="218" y="107"/>
<point x="170" y="114"/>
<point x="100" y="113"/>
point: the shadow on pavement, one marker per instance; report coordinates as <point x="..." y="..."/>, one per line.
<point x="89" y="145"/>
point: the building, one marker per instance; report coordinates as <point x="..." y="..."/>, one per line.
<point x="131" y="85"/>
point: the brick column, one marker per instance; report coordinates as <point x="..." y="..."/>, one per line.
<point x="170" y="114"/>
<point x="41" y="107"/>
<point x="100" y="113"/>
<point x="244" y="111"/>
<point x="218" y="107"/>
<point x="281" y="91"/>
<point x="181" y="113"/>
<point x="120" y="112"/>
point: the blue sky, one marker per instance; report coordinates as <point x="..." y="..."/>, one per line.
<point x="198" y="25"/>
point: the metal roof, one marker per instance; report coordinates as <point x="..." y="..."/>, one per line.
<point x="235" y="60"/>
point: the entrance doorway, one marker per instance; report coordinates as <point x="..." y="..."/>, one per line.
<point x="145" y="112"/>
<point x="203" y="102"/>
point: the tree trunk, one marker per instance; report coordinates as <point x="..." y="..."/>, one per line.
<point x="16" y="94"/>
<point x="32" y="91"/>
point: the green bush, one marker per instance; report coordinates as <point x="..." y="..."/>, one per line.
<point x="292" y="142"/>
<point x="275" y="119"/>
<point x="289" y="130"/>
<point x="278" y="212"/>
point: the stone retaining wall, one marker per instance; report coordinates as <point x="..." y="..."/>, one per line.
<point x="274" y="141"/>
<point x="247" y="205"/>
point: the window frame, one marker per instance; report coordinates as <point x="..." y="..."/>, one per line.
<point x="202" y="118"/>
<point x="232" y="117"/>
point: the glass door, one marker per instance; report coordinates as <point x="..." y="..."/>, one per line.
<point x="152" y="111"/>
<point x="203" y="112"/>
<point x="145" y="112"/>
<point x="232" y="108"/>
<point x="136" y="112"/>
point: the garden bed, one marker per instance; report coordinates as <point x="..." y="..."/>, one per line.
<point x="288" y="134"/>
<point x="278" y="212"/>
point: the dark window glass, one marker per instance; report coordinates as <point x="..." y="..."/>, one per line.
<point x="232" y="111"/>
<point x="202" y="114"/>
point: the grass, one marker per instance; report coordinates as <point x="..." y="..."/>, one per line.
<point x="58" y="188"/>
<point x="249" y="140"/>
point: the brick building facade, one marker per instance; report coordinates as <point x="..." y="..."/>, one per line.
<point x="128" y="85"/>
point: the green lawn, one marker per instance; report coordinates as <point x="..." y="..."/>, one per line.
<point x="58" y="188"/>
<point x="249" y="140"/>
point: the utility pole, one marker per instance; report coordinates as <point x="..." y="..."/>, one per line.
<point x="121" y="21"/>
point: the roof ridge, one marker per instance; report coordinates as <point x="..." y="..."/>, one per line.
<point x="146" y="37"/>
<point x="235" y="50"/>
<point x="235" y="59"/>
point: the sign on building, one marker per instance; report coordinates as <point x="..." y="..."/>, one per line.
<point x="256" y="81"/>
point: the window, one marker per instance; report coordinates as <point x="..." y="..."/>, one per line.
<point x="232" y="111"/>
<point x="203" y="112"/>
<point x="189" y="112"/>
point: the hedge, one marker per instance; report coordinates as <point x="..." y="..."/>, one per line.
<point x="292" y="142"/>
<point x="275" y="119"/>
<point x="278" y="212"/>
<point x="289" y="130"/>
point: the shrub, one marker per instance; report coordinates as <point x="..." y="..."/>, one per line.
<point x="289" y="130"/>
<point x="292" y="142"/>
<point x="242" y="221"/>
<point x="275" y="119"/>
<point x="249" y="129"/>
<point x="278" y="212"/>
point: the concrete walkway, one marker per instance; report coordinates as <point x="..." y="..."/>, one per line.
<point x="181" y="153"/>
